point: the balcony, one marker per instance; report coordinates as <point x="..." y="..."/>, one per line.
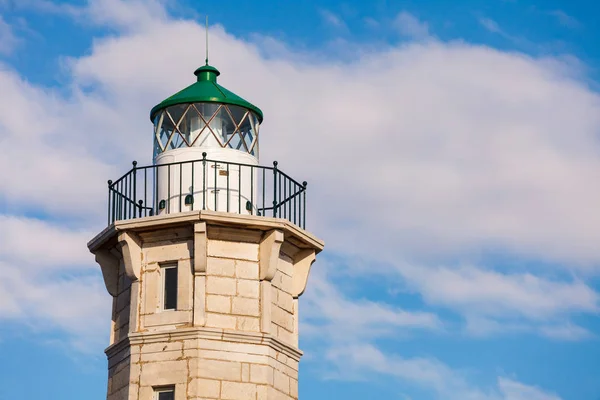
<point x="205" y="184"/>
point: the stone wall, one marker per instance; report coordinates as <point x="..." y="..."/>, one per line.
<point x="234" y="334"/>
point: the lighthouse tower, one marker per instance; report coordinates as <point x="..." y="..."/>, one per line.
<point x="205" y="255"/>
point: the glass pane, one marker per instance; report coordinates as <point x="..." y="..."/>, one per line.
<point x="218" y="125"/>
<point x="175" y="112"/>
<point x="170" y="289"/>
<point x="166" y="395"/>
<point x="194" y="124"/>
<point x="238" y="116"/>
<point x="177" y="142"/>
<point x="164" y="136"/>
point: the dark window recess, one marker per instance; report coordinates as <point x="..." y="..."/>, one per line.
<point x="170" y="294"/>
<point x="167" y="394"/>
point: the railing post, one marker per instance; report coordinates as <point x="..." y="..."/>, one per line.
<point x="141" y="203"/>
<point x="109" y="213"/>
<point x="134" y="172"/>
<point x="304" y="205"/>
<point x="204" y="180"/>
<point x="274" y="189"/>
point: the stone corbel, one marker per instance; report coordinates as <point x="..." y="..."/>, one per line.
<point x="109" y="264"/>
<point x="199" y="267"/>
<point x="268" y="253"/>
<point x="131" y="247"/>
<point x="303" y="260"/>
<point x="200" y="242"/>
<point x="270" y="246"/>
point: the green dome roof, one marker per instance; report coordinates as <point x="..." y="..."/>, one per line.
<point x="206" y="90"/>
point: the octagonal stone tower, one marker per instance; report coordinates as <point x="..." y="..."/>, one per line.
<point x="205" y="256"/>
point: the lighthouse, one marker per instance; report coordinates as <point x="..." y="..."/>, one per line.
<point x="205" y="254"/>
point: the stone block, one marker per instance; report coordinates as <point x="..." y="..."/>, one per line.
<point x="203" y="388"/>
<point x="216" y="369"/>
<point x="282" y="318"/>
<point x="220" y="321"/>
<point x="248" y="324"/>
<point x="151" y="288"/>
<point x="261" y="374"/>
<point x="170" y="252"/>
<point x="245" y="372"/>
<point x="220" y="285"/>
<point x="220" y="267"/>
<point x="285" y="301"/>
<point x="164" y="373"/>
<point x="162" y="346"/>
<point x="184" y="285"/>
<point x="294" y="388"/>
<point x="161" y="356"/>
<point x="235" y="356"/>
<point x="285" y="266"/>
<point x="238" y="391"/>
<point x="245" y="306"/>
<point x="281" y="381"/>
<point x="218" y="304"/>
<point x="167" y="318"/>
<point x="248" y="288"/>
<point x="236" y="250"/>
<point x="246" y="269"/>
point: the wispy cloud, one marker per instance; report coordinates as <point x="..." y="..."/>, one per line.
<point x="333" y="20"/>
<point x="565" y="19"/>
<point x="429" y="374"/>
<point x="410" y="26"/>
<point x="327" y="311"/>
<point x="490" y="25"/>
<point x="8" y="39"/>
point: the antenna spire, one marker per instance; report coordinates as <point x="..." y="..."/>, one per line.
<point x="206" y="61"/>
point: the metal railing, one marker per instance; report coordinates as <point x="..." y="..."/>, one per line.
<point x="177" y="187"/>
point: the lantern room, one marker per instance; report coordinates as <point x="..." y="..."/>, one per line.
<point x="206" y="157"/>
<point x="206" y="117"/>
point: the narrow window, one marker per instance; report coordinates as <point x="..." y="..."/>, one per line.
<point x="167" y="393"/>
<point x="169" y="273"/>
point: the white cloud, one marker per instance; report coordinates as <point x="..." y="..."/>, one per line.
<point x="441" y="150"/>
<point x="76" y="307"/>
<point x="326" y="311"/>
<point x="47" y="284"/>
<point x="474" y="290"/>
<point x="410" y="26"/>
<point x="34" y="243"/>
<point x="513" y="390"/>
<point x="429" y="374"/>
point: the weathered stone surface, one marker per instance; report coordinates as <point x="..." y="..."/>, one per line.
<point x="218" y="304"/>
<point x="245" y="306"/>
<point x="220" y="321"/>
<point x="164" y="373"/>
<point x="248" y="288"/>
<point x="236" y="250"/>
<point x="220" y="285"/>
<point x="246" y="269"/>
<point x="238" y="391"/>
<point x="261" y="374"/>
<point x="248" y="324"/>
<point x="222" y="341"/>
<point x="204" y="388"/>
<point x="220" y="267"/>
<point x="216" y="369"/>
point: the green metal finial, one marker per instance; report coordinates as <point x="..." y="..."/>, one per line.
<point x="206" y="61"/>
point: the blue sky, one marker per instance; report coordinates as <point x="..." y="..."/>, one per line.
<point x="452" y="154"/>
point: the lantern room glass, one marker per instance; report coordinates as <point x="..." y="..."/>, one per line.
<point x="206" y="125"/>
